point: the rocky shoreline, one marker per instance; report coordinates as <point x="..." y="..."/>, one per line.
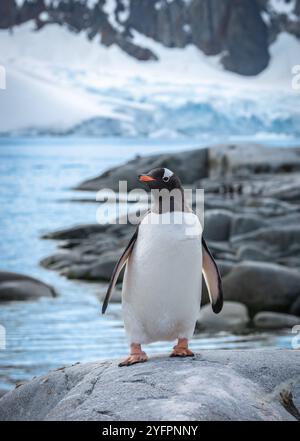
<point x="252" y="218"/>
<point x="224" y="385"/>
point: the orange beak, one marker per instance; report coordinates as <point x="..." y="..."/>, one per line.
<point x="146" y="178"/>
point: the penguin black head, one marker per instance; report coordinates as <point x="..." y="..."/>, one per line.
<point x="160" y="178"/>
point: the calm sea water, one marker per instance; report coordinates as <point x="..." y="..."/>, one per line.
<point x="36" y="181"/>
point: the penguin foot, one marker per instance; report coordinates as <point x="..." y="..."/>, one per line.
<point x="181" y="349"/>
<point x="181" y="352"/>
<point x="140" y="357"/>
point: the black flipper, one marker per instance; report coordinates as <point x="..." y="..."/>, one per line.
<point x="116" y="272"/>
<point x="212" y="279"/>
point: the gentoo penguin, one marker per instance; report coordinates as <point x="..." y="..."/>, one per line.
<point x="165" y="258"/>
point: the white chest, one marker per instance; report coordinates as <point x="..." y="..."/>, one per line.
<point x="162" y="283"/>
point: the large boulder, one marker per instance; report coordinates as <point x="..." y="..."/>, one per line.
<point x="289" y="192"/>
<point x="15" y="286"/>
<point x="251" y="159"/>
<point x="217" y="225"/>
<point x="242" y="224"/>
<point x="262" y="286"/>
<point x="99" y="269"/>
<point x="252" y="252"/>
<point x="215" y="385"/>
<point x="234" y="317"/>
<point x="276" y="241"/>
<point x="275" y="320"/>
<point x="220" y="224"/>
<point x="190" y="166"/>
<point x="281" y="237"/>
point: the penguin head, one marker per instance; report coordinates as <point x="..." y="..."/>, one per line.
<point x="160" y="178"/>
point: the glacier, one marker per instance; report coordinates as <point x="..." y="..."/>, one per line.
<point x="61" y="83"/>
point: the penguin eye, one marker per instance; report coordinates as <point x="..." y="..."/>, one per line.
<point x="166" y="178"/>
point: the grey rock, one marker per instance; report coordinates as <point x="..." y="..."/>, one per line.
<point x="251" y="252"/>
<point x="76" y="232"/>
<point x="8" y="14"/>
<point x="61" y="259"/>
<point x="138" y="52"/>
<point x="79" y="271"/>
<point x="278" y="241"/>
<point x="215" y="385"/>
<point x="104" y="268"/>
<point x="262" y="286"/>
<point x="234" y="317"/>
<point x="189" y="166"/>
<point x="245" y="25"/>
<point x="217" y="26"/>
<point x="3" y="392"/>
<point x="242" y="224"/>
<point x="290" y="219"/>
<point x="251" y="159"/>
<point x="99" y="268"/>
<point x="165" y="24"/>
<point x="224" y="267"/>
<point x="295" y="308"/>
<point x="219" y="247"/>
<point x="275" y="320"/>
<point x="290" y="261"/>
<point x="15" y="286"/>
<point x="217" y="225"/>
<point x="287" y="192"/>
<point x="249" y="226"/>
<point x="207" y="18"/>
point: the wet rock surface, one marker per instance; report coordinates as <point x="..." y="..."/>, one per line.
<point x="214" y="385"/>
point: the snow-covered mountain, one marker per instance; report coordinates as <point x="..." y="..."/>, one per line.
<point x="112" y="68"/>
<point x="241" y="31"/>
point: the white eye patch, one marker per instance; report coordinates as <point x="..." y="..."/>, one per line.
<point x="167" y="174"/>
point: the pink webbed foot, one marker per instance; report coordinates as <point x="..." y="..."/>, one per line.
<point x="181" y="349"/>
<point x="136" y="356"/>
<point x="134" y="359"/>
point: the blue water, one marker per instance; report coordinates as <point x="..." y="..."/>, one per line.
<point x="36" y="181"/>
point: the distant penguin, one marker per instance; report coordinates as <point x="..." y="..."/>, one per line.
<point x="164" y="260"/>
